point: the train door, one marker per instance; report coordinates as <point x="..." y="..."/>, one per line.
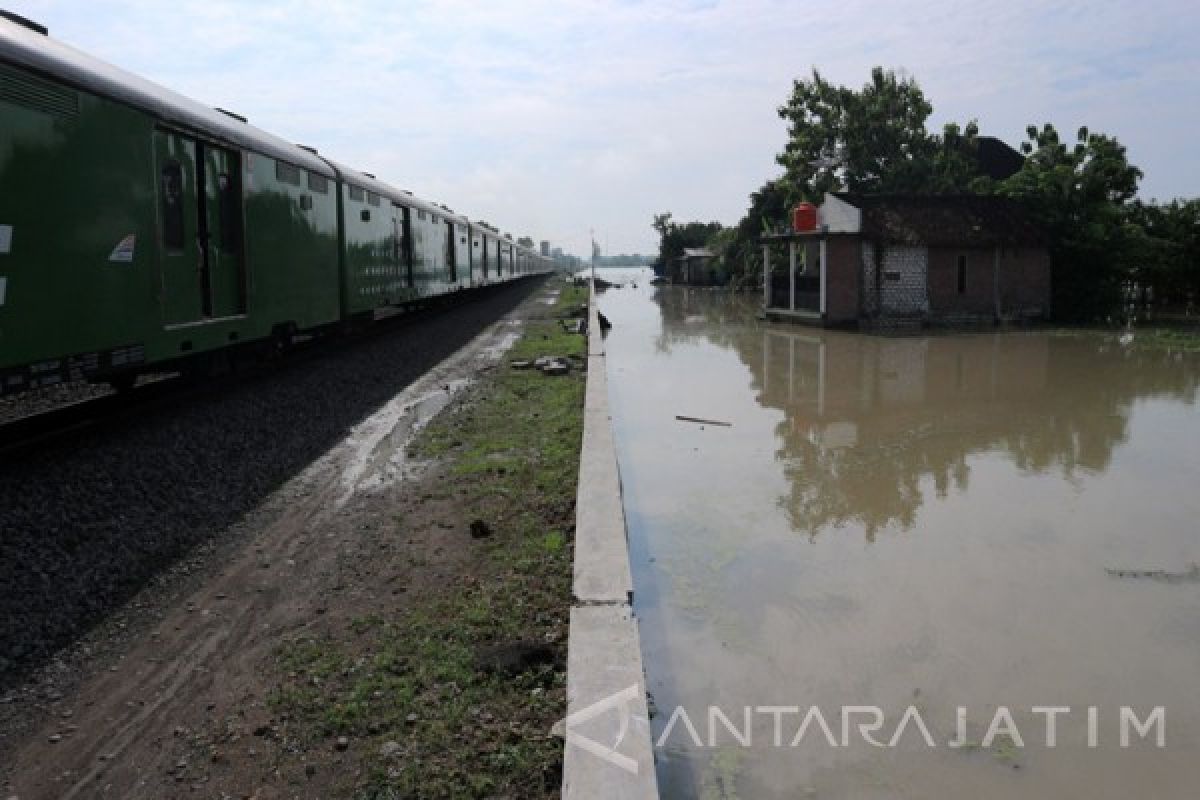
<point x="406" y="251"/>
<point x="451" y="252"/>
<point x="200" y="219"/>
<point x="221" y="230"/>
<point x="470" y="254"/>
<point x="396" y="264"/>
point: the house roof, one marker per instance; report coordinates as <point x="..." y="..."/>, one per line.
<point x="945" y="220"/>
<point x="996" y="159"/>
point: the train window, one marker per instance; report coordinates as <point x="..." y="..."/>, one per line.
<point x="172" y="205"/>
<point x="436" y="219"/>
<point x="356" y="194"/>
<point x="372" y="198"/>
<point x="318" y="183"/>
<point x="227" y="208"/>
<point x="421" y="215"/>
<point x="286" y="173"/>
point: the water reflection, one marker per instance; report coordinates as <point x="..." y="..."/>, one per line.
<point x="865" y="418"/>
<point x="942" y="519"/>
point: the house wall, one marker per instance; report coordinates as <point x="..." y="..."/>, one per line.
<point x="944" y="297"/>
<point x="904" y="276"/>
<point x="838" y="216"/>
<point x="842" y="278"/>
<point x="1024" y="282"/>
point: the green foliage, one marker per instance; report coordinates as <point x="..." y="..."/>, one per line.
<point x="674" y="238"/>
<point x="871" y="140"/>
<point x="1081" y="196"/>
<point x="1168" y="250"/>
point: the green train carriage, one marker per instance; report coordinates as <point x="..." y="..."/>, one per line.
<point x="140" y="230"/>
<point x="140" y="227"/>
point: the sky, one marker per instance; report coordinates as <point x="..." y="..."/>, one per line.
<point x="554" y="119"/>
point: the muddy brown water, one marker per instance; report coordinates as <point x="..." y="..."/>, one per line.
<point x="980" y="522"/>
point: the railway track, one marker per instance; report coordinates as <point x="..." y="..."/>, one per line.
<point x="58" y="423"/>
<point x="40" y="428"/>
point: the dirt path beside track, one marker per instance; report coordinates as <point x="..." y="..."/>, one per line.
<point x="200" y="701"/>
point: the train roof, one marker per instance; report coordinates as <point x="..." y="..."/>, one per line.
<point x="36" y="51"/>
<point x="399" y="196"/>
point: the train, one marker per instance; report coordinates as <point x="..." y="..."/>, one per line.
<point x="141" y="231"/>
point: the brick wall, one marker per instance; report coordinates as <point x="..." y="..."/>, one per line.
<point x="841" y="295"/>
<point x="903" y="273"/>
<point x="944" y="297"/>
<point x="1024" y="282"/>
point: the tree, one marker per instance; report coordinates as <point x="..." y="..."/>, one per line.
<point x="740" y="254"/>
<point x="1168" y="251"/>
<point x="674" y="238"/>
<point x="1081" y="196"/>
<point x="871" y="140"/>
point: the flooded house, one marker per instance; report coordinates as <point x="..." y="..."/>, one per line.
<point x="695" y="267"/>
<point x="908" y="260"/>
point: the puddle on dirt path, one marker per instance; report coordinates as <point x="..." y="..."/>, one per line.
<point x="937" y="522"/>
<point x="377" y="448"/>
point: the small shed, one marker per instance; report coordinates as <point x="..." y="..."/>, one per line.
<point x="695" y="266"/>
<point x="889" y="259"/>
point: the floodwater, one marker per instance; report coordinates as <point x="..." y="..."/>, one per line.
<point x="981" y="521"/>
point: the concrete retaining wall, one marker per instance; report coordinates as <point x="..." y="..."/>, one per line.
<point x="609" y="752"/>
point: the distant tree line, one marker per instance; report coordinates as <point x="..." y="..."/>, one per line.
<point x="623" y="260"/>
<point x="1105" y="244"/>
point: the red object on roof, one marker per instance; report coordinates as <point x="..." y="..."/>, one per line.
<point x="804" y="217"/>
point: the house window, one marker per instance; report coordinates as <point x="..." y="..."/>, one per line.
<point x="962" y="274"/>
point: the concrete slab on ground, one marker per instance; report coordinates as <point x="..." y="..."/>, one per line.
<point x="601" y="550"/>
<point x="609" y="753"/>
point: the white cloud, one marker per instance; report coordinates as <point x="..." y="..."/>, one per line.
<point x="549" y="118"/>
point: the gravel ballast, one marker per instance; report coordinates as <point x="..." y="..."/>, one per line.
<point x="86" y="523"/>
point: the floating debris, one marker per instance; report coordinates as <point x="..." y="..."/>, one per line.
<point x="574" y="325"/>
<point x="700" y="421"/>
<point x="1189" y="576"/>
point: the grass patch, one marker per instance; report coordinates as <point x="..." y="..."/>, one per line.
<point x="1173" y="339"/>
<point x="404" y="684"/>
